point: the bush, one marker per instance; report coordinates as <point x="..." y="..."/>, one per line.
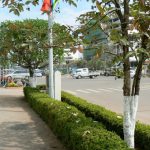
<point x="41" y="87"/>
<point x="110" y="119"/>
<point x="11" y="84"/>
<point x="71" y="126"/>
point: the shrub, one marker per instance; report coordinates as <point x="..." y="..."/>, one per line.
<point x="110" y="119"/>
<point x="12" y="84"/>
<point x="41" y="87"/>
<point x="71" y="126"/>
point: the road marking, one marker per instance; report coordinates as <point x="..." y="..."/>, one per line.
<point x="147" y="86"/>
<point x="143" y="89"/>
<point x="147" y="83"/>
<point x="82" y="91"/>
<point x="105" y="90"/>
<point x="93" y="90"/>
<point x="71" y="92"/>
<point x="115" y="89"/>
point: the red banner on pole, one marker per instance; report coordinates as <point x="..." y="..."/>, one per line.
<point x="47" y="6"/>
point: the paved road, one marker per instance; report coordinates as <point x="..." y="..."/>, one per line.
<point x="107" y="92"/>
<point x="20" y="127"/>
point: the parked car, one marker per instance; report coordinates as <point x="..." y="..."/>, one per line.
<point x="20" y="74"/>
<point x="39" y="72"/>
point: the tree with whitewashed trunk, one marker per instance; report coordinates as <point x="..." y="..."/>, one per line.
<point x="139" y="10"/>
<point x="119" y="32"/>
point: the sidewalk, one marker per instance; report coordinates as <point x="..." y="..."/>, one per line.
<point x="20" y="127"/>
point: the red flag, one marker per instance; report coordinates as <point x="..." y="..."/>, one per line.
<point x="46" y="6"/>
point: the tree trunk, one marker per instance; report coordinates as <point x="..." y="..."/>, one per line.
<point x="31" y="72"/>
<point x="130" y="102"/>
<point x="130" y="110"/>
<point x="32" y="79"/>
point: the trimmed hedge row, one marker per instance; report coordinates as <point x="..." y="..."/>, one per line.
<point x="41" y="87"/>
<point x="110" y="119"/>
<point x="71" y="126"/>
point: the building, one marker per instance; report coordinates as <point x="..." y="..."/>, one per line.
<point x="70" y="56"/>
<point x="95" y="38"/>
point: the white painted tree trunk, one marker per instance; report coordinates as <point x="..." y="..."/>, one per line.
<point x="130" y="110"/>
<point x="32" y="81"/>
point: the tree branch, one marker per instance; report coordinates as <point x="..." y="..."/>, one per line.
<point x="118" y="10"/>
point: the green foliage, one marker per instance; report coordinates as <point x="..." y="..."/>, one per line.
<point x="26" y="39"/>
<point x="29" y="40"/>
<point x="41" y="87"/>
<point x="142" y="136"/>
<point x="81" y="63"/>
<point x="111" y="120"/>
<point x="71" y="126"/>
<point x="12" y="84"/>
<point x="119" y="73"/>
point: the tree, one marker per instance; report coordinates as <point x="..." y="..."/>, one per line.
<point x="114" y="17"/>
<point x="17" y="6"/>
<point x="26" y="42"/>
<point x="91" y="35"/>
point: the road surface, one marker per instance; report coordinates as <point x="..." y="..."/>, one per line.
<point x="107" y="92"/>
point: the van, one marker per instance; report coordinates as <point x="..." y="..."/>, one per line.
<point x="21" y="74"/>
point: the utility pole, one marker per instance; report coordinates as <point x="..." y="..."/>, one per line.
<point x="48" y="7"/>
<point x="50" y="54"/>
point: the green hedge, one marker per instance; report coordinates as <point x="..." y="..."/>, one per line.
<point x="110" y="119"/>
<point x="71" y="126"/>
<point x="41" y="87"/>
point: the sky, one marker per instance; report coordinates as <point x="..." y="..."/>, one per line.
<point x="67" y="15"/>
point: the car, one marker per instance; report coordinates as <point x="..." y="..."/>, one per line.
<point x="38" y="73"/>
<point x="21" y="74"/>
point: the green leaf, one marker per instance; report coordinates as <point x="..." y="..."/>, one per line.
<point x="124" y="41"/>
<point x="28" y="2"/>
<point x="100" y="8"/>
<point x="16" y="12"/>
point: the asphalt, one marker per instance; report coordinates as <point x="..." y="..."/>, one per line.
<point x="20" y="127"/>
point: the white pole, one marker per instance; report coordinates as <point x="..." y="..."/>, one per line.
<point x="50" y="36"/>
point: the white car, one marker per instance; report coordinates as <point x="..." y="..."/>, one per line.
<point x="20" y="74"/>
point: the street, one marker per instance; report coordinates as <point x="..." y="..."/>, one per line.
<point x="107" y="92"/>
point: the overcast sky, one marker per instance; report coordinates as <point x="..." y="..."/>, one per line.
<point x="66" y="16"/>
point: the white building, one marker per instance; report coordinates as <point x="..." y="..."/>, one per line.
<point x="70" y="56"/>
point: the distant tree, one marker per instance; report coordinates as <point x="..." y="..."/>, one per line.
<point x="26" y="42"/>
<point x="81" y="63"/>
